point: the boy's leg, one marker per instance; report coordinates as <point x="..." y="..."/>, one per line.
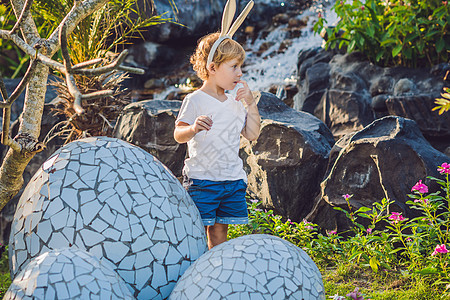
<point x="217" y="234"/>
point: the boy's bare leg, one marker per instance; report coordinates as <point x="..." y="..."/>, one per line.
<point x="217" y="234"/>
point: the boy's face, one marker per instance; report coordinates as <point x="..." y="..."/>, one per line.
<point x="228" y="74"/>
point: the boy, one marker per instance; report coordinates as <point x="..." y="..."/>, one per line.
<point x="211" y="121"/>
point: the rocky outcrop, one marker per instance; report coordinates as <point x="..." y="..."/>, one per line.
<point x="384" y="160"/>
<point x="347" y="93"/>
<point x="287" y="162"/>
<point x="150" y="125"/>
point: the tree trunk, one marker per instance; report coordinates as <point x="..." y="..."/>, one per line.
<point x="13" y="166"/>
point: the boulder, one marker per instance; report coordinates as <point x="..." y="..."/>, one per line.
<point x="384" y="160"/>
<point x="287" y="162"/>
<point x="347" y="93"/>
<point x="150" y="124"/>
<point x="418" y="107"/>
<point x="345" y="112"/>
<point x="313" y="87"/>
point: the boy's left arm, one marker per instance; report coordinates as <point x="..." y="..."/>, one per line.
<point x="253" y="122"/>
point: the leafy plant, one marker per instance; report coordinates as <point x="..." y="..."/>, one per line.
<point x="443" y="104"/>
<point x="392" y="246"/>
<point x="12" y="61"/>
<point x="100" y="35"/>
<point x="413" y="33"/>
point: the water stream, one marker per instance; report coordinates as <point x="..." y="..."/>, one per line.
<point x="262" y="72"/>
<point x="270" y="68"/>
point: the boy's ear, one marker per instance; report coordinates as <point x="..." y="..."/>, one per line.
<point x="211" y="68"/>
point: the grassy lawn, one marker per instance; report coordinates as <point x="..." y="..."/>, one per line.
<point x="344" y="279"/>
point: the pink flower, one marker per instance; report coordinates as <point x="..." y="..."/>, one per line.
<point x="408" y="239"/>
<point x="445" y="3"/>
<point x="258" y="209"/>
<point x="424" y="201"/>
<point x="319" y="15"/>
<point x="369" y="230"/>
<point x="363" y="8"/>
<point x="355" y="295"/>
<point x="420" y="187"/>
<point x="445" y="168"/>
<point x="331" y="232"/>
<point x="309" y="227"/>
<point x="396" y="217"/>
<point x="440" y="249"/>
<point x="254" y="200"/>
<point x="347" y="196"/>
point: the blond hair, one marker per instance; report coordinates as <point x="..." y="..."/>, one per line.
<point x="227" y="50"/>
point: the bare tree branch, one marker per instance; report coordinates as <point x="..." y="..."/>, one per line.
<point x="86" y="64"/>
<point x="24" y="13"/>
<point x="106" y="121"/>
<point x="101" y="70"/>
<point x="75" y="92"/>
<point x="63" y="44"/>
<point x="6" y="105"/>
<point x="97" y="94"/>
<point x="3" y="88"/>
<point x="27" y="25"/>
<point x="131" y="70"/>
<point x="32" y="51"/>
<point x="21" y="86"/>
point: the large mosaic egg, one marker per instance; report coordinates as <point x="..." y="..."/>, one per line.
<point x="252" y="267"/>
<point x="116" y="201"/>
<point x="68" y="273"/>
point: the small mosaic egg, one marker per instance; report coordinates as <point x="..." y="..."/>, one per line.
<point x="252" y="267"/>
<point x="68" y="273"/>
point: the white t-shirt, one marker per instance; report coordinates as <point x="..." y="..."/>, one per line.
<point x="213" y="154"/>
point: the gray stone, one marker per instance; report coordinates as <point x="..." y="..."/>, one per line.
<point x="364" y="164"/>
<point x="150" y="125"/>
<point x="345" y="111"/>
<point x="287" y="162"/>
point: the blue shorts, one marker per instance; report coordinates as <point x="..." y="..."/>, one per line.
<point x="219" y="201"/>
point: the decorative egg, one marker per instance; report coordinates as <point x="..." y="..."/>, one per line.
<point x="117" y="202"/>
<point x="256" y="266"/>
<point x="68" y="273"/>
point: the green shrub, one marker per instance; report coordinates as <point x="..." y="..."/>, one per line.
<point x="414" y="250"/>
<point x="412" y="33"/>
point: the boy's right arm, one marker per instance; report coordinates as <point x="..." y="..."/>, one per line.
<point x="184" y="132"/>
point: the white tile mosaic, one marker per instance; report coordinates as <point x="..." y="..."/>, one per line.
<point x="59" y="282"/>
<point x="119" y="203"/>
<point x="257" y="271"/>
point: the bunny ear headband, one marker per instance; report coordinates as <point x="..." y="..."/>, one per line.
<point x="227" y="30"/>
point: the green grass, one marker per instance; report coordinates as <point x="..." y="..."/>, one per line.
<point x="5" y="280"/>
<point x="343" y="279"/>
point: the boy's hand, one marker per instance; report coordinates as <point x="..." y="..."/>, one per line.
<point x="202" y="123"/>
<point x="244" y="93"/>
